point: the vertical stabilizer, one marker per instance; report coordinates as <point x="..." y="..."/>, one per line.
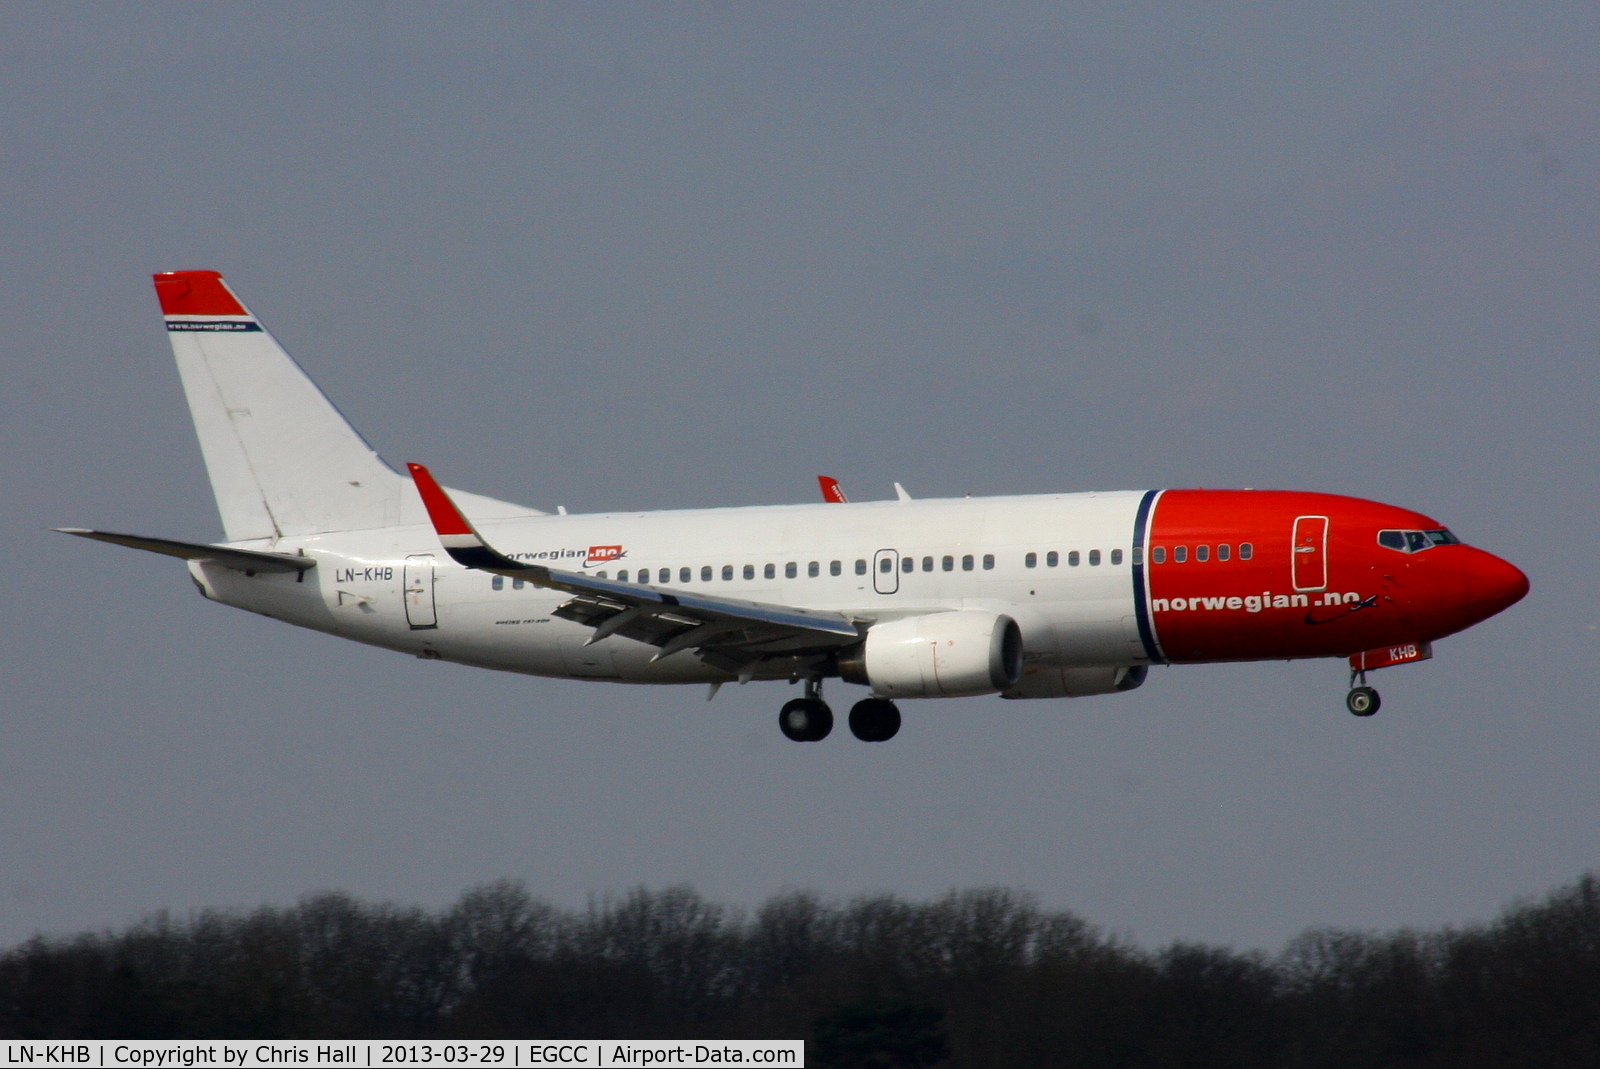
<point x="282" y="460"/>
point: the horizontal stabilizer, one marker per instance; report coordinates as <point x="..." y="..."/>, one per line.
<point x="244" y="560"/>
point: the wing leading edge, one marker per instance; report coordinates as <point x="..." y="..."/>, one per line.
<point x="729" y="633"/>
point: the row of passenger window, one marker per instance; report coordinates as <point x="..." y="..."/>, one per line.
<point x="1180" y="554"/>
<point x="1052" y="559"/>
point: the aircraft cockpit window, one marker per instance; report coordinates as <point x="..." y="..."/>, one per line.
<point x="1416" y="541"/>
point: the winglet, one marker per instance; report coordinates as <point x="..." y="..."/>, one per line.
<point x="460" y="539"/>
<point x="831" y="490"/>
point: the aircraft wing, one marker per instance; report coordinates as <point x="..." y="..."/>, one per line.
<point x="243" y="560"/>
<point x="729" y="633"/>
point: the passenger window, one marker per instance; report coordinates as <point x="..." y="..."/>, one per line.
<point x="770" y="571"/>
<point x="749" y="571"/>
<point x="1094" y="558"/>
<point x="705" y="573"/>
<point x="1159" y="555"/>
<point x="622" y="575"/>
<point x="1052" y="559"/>
<point x="1138" y="554"/>
<point x="861" y="566"/>
<point x="948" y="563"/>
<point x="927" y="564"/>
<point x="907" y="564"/>
<point x="1073" y="559"/>
<point x="1031" y="560"/>
<point x="886" y="564"/>
<point x="727" y="573"/>
<point x="1245" y="550"/>
<point x="790" y="570"/>
<point x="1202" y="552"/>
<point x="835" y="567"/>
<point x="966" y="563"/>
<point x="684" y="574"/>
<point x="498" y="582"/>
<point x="664" y="575"/>
<point x="1116" y="556"/>
<point x="644" y="575"/>
<point x="598" y="575"/>
<point x="1222" y="551"/>
<point x="1180" y="554"/>
<point x="988" y="561"/>
<point x="813" y="569"/>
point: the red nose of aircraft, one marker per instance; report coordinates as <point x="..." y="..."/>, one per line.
<point x="1492" y="584"/>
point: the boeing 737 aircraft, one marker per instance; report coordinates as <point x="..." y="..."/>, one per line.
<point x="1045" y="596"/>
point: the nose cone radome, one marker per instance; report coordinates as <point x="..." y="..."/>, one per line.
<point x="1493" y="584"/>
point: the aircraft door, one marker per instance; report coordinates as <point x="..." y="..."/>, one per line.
<point x="886" y="571"/>
<point x="1310" y="555"/>
<point x="419" y="592"/>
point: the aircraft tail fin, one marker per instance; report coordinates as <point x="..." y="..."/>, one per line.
<point x="282" y="459"/>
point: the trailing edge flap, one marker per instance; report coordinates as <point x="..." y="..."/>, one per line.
<point x="721" y="628"/>
<point x="243" y="560"/>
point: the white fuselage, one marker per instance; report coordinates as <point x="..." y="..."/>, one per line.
<point x="872" y="561"/>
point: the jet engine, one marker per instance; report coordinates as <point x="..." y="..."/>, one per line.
<point x="1044" y="682"/>
<point x="939" y="655"/>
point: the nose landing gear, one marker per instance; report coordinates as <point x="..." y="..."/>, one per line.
<point x="1362" y="700"/>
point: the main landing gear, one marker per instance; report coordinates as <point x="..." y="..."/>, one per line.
<point x="809" y="719"/>
<point x="1362" y="700"/>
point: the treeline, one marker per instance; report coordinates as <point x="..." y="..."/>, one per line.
<point x="977" y="978"/>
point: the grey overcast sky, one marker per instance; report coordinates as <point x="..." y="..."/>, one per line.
<point x="653" y="256"/>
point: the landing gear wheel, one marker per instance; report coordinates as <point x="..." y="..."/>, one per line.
<point x="1362" y="701"/>
<point x="874" y="720"/>
<point x="805" y="720"/>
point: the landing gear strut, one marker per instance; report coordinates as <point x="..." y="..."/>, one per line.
<point x="806" y="719"/>
<point x="1362" y="700"/>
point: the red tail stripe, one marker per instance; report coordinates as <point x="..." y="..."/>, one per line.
<point x="196" y="293"/>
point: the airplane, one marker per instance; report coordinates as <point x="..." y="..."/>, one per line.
<point x="1039" y="596"/>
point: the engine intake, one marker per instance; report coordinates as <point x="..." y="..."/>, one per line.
<point x="937" y="655"/>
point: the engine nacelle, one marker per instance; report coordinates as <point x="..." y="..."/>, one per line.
<point x="1076" y="682"/>
<point x="939" y="655"/>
